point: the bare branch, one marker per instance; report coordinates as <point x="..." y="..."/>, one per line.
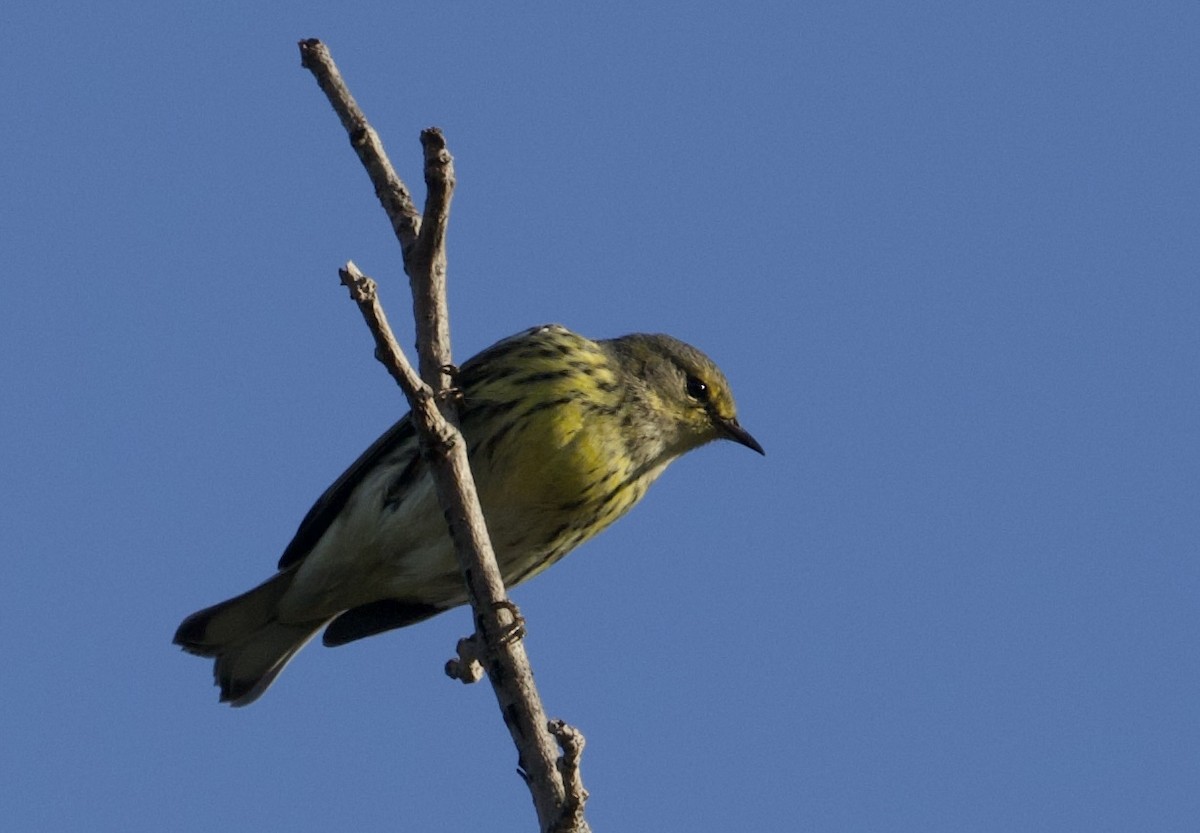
<point x="392" y="194"/>
<point x="364" y="292"/>
<point x="426" y="262"/>
<point x="499" y="625"/>
<point x="572" y="742"/>
<point x="496" y="618"/>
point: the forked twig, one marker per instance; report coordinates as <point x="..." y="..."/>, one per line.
<point x="558" y="793"/>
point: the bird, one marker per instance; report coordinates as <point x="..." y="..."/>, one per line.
<point x="564" y="435"/>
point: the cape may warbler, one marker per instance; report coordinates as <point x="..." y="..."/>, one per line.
<point x="564" y="435"/>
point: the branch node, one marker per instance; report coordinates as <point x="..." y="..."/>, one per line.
<point x="466" y="667"/>
<point x="571" y="741"/>
<point x="362" y="288"/>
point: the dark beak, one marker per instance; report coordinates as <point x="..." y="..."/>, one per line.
<point x="739" y="434"/>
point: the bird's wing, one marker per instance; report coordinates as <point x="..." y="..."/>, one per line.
<point x="327" y="507"/>
<point x="334" y="499"/>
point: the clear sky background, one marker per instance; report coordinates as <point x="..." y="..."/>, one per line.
<point x="948" y="254"/>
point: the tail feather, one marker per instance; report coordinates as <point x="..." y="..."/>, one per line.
<point x="249" y="645"/>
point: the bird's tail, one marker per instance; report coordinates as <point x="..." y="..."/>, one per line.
<point x="249" y="644"/>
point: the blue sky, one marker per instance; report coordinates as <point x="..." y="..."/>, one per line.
<point x="946" y="253"/>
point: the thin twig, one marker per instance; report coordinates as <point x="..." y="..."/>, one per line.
<point x="364" y="292"/>
<point x="427" y="259"/>
<point x="571" y="740"/>
<point x="506" y="663"/>
<point x="392" y="194"/>
<point x="497" y="620"/>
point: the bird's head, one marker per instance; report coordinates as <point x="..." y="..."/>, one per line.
<point x="687" y="396"/>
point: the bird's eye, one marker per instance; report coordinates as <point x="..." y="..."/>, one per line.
<point x="697" y="389"/>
